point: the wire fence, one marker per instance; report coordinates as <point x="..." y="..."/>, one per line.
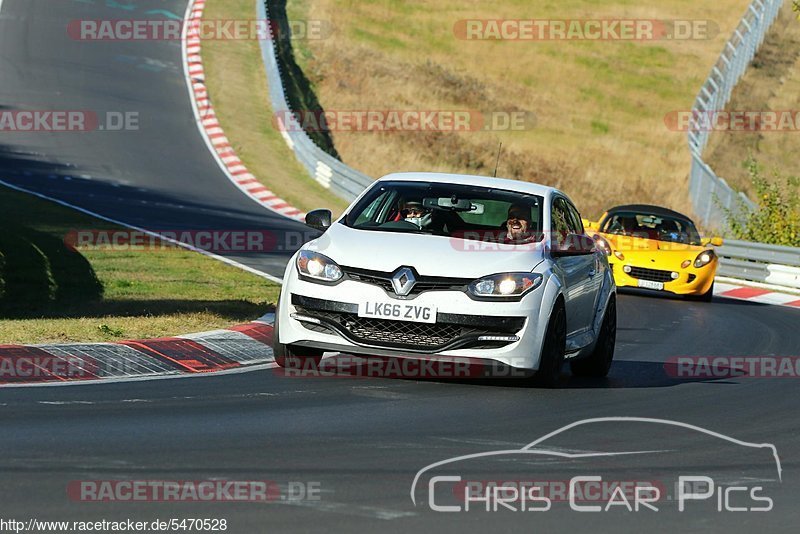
<point x="711" y="196"/>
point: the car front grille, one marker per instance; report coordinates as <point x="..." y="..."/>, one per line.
<point x="692" y="278"/>
<point x="450" y="332"/>
<point x="396" y="332"/>
<point x="654" y="275"/>
<point x="424" y="283"/>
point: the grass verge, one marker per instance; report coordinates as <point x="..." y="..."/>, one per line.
<point x="51" y="293"/>
<point x="238" y="88"/>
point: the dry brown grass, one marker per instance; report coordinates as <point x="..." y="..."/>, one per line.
<point x="600" y="106"/>
<point x="773" y="83"/>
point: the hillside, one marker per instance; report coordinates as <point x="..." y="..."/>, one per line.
<point x="771" y="84"/>
<point x="599" y="131"/>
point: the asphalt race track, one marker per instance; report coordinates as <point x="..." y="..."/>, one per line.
<point x="359" y="441"/>
<point x="160" y="177"/>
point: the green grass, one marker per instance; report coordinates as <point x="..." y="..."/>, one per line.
<point x="52" y="293"/>
<point x="378" y="39"/>
<point x="599" y="127"/>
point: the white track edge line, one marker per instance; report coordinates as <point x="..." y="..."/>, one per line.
<point x="144" y="378"/>
<point x="217" y="257"/>
<point x="199" y="119"/>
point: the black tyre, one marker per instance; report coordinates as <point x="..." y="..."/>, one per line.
<point x="288" y="356"/>
<point x="555" y="342"/>
<point x="705" y="297"/>
<point x="599" y="362"/>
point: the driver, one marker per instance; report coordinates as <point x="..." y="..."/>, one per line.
<point x="415" y="213"/>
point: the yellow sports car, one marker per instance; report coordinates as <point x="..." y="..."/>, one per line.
<point x="656" y="248"/>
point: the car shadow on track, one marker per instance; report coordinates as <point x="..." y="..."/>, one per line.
<point x="717" y="300"/>
<point x="624" y="374"/>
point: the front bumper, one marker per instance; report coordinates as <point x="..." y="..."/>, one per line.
<point x="326" y="317"/>
<point x="690" y="281"/>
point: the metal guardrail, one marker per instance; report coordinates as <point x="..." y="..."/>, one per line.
<point x="757" y="262"/>
<point x="711" y="196"/>
<point x="331" y="173"/>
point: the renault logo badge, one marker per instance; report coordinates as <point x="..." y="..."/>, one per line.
<point x="403" y="281"/>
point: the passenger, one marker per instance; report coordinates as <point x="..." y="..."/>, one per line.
<point x="518" y="224"/>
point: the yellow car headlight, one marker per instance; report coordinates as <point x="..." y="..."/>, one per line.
<point x="704" y="258"/>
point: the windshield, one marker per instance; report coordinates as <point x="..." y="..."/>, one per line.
<point x="649" y="226"/>
<point x="452" y="210"/>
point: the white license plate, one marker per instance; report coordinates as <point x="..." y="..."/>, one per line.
<point x="398" y="311"/>
<point x="647" y="284"/>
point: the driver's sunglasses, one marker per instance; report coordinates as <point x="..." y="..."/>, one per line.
<point x="415" y="212"/>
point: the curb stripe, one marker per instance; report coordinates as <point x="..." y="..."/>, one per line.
<point x="258" y="331"/>
<point x="193" y="59"/>
<point x="185" y="353"/>
<point x="745" y="293"/>
<point x="238" y="347"/>
<point x="10" y="356"/>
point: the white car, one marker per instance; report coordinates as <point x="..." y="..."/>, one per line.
<point x="429" y="265"/>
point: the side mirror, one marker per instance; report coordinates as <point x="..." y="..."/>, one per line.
<point x="574" y="245"/>
<point x="319" y="219"/>
<point x="714" y="241"/>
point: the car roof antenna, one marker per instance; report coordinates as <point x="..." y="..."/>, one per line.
<point x="496" y="163"/>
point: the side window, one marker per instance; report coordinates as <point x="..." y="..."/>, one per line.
<point x="575" y="218"/>
<point x="560" y="218"/>
<point x="370" y="214"/>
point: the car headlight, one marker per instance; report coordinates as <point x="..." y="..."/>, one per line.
<point x="704" y="258"/>
<point x="506" y="285"/>
<point x="317" y="267"/>
<point x="602" y="244"/>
